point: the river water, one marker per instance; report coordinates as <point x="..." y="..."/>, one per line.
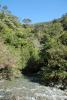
<point x="24" y="89"/>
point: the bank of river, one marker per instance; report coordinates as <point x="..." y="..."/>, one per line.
<point x="24" y="89"/>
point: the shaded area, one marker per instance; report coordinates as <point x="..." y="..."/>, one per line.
<point x="34" y="71"/>
<point x="33" y="66"/>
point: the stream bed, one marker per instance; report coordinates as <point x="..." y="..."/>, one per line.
<point x="24" y="89"/>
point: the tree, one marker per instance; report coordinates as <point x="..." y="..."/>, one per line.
<point x="64" y="21"/>
<point x="26" y="21"/>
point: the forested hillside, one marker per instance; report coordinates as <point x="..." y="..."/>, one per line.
<point x="27" y="48"/>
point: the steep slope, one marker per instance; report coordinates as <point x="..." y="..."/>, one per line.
<point x="39" y="49"/>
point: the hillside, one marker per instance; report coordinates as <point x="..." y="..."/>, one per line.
<point x="39" y="49"/>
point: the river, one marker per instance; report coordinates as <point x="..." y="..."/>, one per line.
<point x="24" y="89"/>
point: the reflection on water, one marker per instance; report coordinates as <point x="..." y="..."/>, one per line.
<point x="23" y="89"/>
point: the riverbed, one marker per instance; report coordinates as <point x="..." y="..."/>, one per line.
<point x="24" y="89"/>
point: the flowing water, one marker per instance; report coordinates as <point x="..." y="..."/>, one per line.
<point x="23" y="89"/>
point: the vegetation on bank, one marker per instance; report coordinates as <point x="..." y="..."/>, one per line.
<point x="33" y="48"/>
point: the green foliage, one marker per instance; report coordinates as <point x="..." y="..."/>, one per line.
<point x="17" y="46"/>
<point x="63" y="38"/>
<point x="39" y="48"/>
<point x="53" y="59"/>
<point x="64" y="21"/>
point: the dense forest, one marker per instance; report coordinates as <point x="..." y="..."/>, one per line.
<point x="29" y="49"/>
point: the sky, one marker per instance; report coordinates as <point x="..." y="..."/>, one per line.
<point x="37" y="10"/>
